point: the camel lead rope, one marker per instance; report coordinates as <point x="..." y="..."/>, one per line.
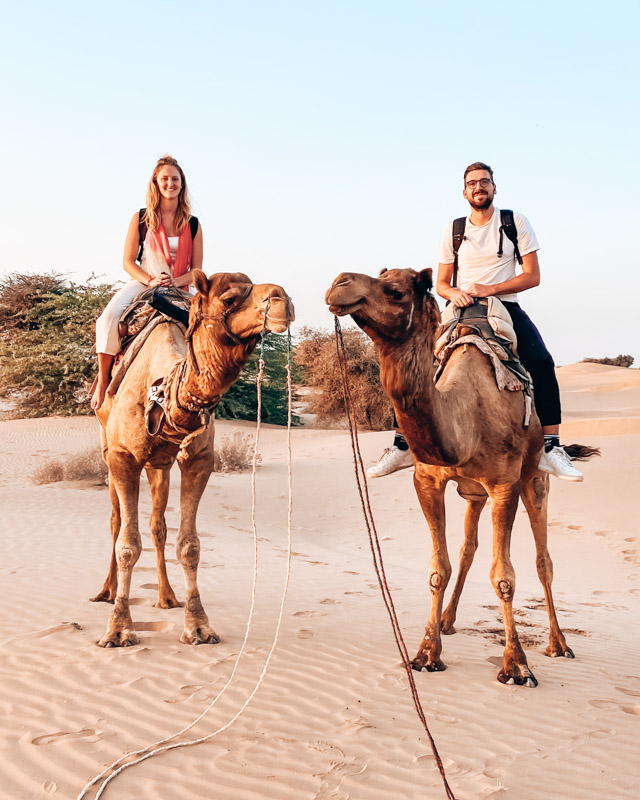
<point x="148" y="752"/>
<point x="376" y="552"/>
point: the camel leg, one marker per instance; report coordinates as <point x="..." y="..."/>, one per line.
<point x="504" y="503"/>
<point x="430" y="493"/>
<point x="159" y="483"/>
<point x="535" y="493"/>
<point x="108" y="592"/>
<point x="475" y="504"/>
<point x="195" y="474"/>
<point x="126" y="478"/>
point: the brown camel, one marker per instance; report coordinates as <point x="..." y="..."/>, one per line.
<point x="465" y="430"/>
<point x="226" y="319"/>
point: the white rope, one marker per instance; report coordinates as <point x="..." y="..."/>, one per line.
<point x="148" y="752"/>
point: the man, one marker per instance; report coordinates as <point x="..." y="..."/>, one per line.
<point x="487" y="267"/>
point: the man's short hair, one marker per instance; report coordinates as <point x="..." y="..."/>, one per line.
<point x="477" y="165"/>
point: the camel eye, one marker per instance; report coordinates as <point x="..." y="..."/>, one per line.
<point x="229" y="301"/>
<point x="394" y="294"/>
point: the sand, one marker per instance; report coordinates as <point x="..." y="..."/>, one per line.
<point x="333" y="719"/>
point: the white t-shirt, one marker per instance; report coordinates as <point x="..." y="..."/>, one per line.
<point x="478" y="260"/>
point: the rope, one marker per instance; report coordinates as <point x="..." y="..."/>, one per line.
<point x="377" y="553"/>
<point x="161" y="745"/>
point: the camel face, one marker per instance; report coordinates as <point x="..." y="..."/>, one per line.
<point x="242" y="305"/>
<point x="384" y="306"/>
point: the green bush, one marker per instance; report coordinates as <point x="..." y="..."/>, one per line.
<point x="47" y="342"/>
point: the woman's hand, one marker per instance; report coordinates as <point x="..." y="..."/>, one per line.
<point x="160" y="280"/>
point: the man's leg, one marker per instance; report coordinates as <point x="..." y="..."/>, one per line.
<point x="394" y="458"/>
<point x="537" y="359"/>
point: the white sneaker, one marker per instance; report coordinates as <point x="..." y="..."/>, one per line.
<point x="557" y="462"/>
<point x="390" y="461"/>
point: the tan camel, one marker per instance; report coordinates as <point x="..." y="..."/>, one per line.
<point x="464" y="430"/>
<point x="226" y="319"/>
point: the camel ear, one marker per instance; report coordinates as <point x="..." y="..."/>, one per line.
<point x="201" y="282"/>
<point x="424" y="281"/>
<point x="382" y="271"/>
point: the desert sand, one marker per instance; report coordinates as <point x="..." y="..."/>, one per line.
<point x="333" y="719"/>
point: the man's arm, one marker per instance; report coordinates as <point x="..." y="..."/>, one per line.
<point x="529" y="278"/>
<point x="446" y="290"/>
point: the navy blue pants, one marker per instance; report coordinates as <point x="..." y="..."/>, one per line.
<point x="537" y="359"/>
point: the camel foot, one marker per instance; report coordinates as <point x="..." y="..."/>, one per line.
<point x="447" y="629"/>
<point x="518" y="675"/>
<point x="201" y="635"/>
<point x="105" y="596"/>
<point x="423" y="662"/>
<point x="126" y="638"/>
<point x="168" y="601"/>
<point x="559" y="649"/>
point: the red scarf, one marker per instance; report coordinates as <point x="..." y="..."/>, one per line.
<point x="158" y="255"/>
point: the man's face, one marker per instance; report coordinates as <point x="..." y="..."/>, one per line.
<point x="479" y="189"/>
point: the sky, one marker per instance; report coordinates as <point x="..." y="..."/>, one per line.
<point x="319" y="137"/>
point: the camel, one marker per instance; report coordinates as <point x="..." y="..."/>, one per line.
<point x="227" y="317"/>
<point x="463" y="430"/>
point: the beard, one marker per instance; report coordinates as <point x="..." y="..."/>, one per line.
<point x="481" y="204"/>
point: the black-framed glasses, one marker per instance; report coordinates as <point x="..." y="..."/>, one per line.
<point x="484" y="182"/>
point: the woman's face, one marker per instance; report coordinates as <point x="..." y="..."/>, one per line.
<point x="169" y="182"/>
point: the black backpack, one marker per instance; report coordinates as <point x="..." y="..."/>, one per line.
<point x="507" y="226"/>
<point x="142" y="231"/>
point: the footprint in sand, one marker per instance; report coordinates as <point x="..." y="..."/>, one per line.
<point x="189" y="691"/>
<point x="304" y="633"/>
<point x="149" y="586"/>
<point x="631" y="539"/>
<point x="53" y="738"/>
<point x="602" y="533"/>
<point x="574" y="527"/>
<point x="328" y="601"/>
<point x="496" y="767"/>
<point x="308" y="614"/>
<point x="612" y="704"/>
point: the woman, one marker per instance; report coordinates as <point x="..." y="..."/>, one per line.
<point x="168" y="256"/>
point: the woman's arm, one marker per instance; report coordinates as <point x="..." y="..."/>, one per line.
<point x="131" y="246"/>
<point x="196" y="260"/>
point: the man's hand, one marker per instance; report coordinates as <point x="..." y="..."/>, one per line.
<point x="460" y="298"/>
<point x="480" y="290"/>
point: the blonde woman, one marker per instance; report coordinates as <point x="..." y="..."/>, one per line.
<point x="172" y="247"/>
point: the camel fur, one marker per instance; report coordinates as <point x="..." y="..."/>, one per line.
<point x="464" y="430"/>
<point x="226" y="320"/>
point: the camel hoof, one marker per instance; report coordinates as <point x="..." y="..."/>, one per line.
<point x="128" y="639"/>
<point x="199" y="636"/>
<point x="168" y="602"/>
<point x="449" y="631"/>
<point x="528" y="679"/>
<point x="103" y="597"/>
<point x="561" y="650"/>
<point x="436" y="666"/>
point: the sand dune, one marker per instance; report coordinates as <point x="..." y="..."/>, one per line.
<point x="333" y="719"/>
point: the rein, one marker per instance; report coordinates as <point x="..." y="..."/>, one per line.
<point x="376" y="551"/>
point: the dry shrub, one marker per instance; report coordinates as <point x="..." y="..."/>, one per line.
<point x="618" y="361"/>
<point x="85" y="466"/>
<point x="316" y="354"/>
<point x="234" y="453"/>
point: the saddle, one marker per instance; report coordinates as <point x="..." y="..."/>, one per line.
<point x="487" y="325"/>
<point x="152" y="307"/>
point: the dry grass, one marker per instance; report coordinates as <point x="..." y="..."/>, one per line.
<point x="85" y="466"/>
<point x="234" y="453"/>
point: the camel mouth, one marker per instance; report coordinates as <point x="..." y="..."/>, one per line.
<point x="279" y="324"/>
<point x="344" y="310"/>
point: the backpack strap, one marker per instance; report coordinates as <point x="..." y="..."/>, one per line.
<point x="457" y="239"/>
<point x="508" y="226"/>
<point x="142" y="231"/>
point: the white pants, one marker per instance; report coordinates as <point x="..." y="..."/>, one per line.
<point x="107" y="336"/>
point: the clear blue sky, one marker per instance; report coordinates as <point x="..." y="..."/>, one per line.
<point x="326" y="136"/>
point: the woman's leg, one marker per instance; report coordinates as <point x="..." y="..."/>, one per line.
<point x="108" y="338"/>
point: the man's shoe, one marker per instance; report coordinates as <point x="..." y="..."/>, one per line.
<point x="557" y="462"/>
<point x="390" y="461"/>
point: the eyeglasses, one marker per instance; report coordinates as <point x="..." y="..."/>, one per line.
<point x="484" y="182"/>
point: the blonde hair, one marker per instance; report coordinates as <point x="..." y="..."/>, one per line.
<point x="183" y="211"/>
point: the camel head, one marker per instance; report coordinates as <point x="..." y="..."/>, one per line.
<point x="240" y="306"/>
<point x="388" y="308"/>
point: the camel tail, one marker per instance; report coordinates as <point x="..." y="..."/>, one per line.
<point x="580" y="452"/>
